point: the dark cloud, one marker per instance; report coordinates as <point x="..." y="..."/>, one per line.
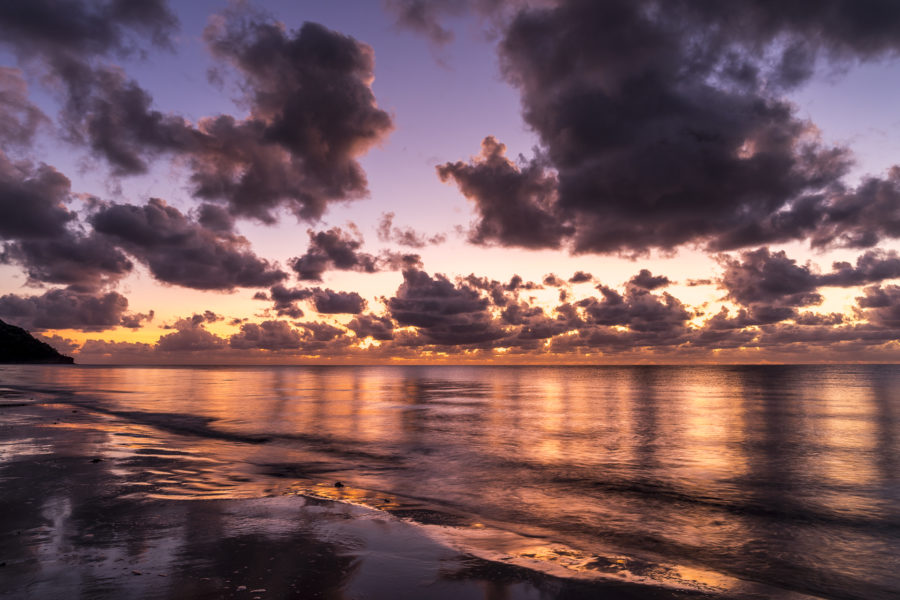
<point x="44" y="235"/>
<point x="379" y="328"/>
<point x="859" y="218"/>
<point x="191" y="336"/>
<point x="319" y="332"/>
<point x="19" y="118"/>
<point x="819" y="319"/>
<point x="499" y="294"/>
<point x="666" y="123"/>
<point x="405" y="236"/>
<point x="67" y="41"/>
<point x="389" y="260"/>
<point x="332" y="249"/>
<point x="136" y="320"/>
<point x="552" y="280"/>
<point x="83" y="262"/>
<point x="516" y="204"/>
<point x="443" y="312"/>
<point x="116" y="121"/>
<point x="881" y="305"/>
<point x="765" y="277"/>
<point x="32" y="200"/>
<point x="66" y="309"/>
<point x="516" y="283"/>
<point x="581" y="277"/>
<point x="533" y="324"/>
<point x="336" y="249"/>
<point x="268" y="335"/>
<point x="312" y="113"/>
<point x="872" y="266"/>
<point x="180" y="251"/>
<point x="73" y="30"/>
<point x="331" y="302"/>
<point x="286" y="299"/>
<point x="215" y="218"/>
<point x="772" y="286"/>
<point x="637" y="309"/>
<point x="645" y="279"/>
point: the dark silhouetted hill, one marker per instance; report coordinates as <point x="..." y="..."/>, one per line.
<point x="18" y="346"/>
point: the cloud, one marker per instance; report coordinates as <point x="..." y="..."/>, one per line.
<point x="215" y="218"/>
<point x="82" y="262"/>
<point x="322" y="332"/>
<point x="286" y="299"/>
<point x="444" y="313"/>
<point x="581" y="277"/>
<point x="673" y="127"/>
<point x="65" y="43"/>
<point x="861" y="217"/>
<point x="59" y="343"/>
<point x="136" y="320"/>
<point x="769" y="284"/>
<point x="772" y="286"/>
<point x="645" y="279"/>
<point x="19" y="118"/>
<point x="115" y="119"/>
<point x="331" y="302"/>
<point x="871" y="266"/>
<point x="75" y="30"/>
<point x="66" y="309"/>
<point x="762" y="276"/>
<point x="45" y="237"/>
<point x="332" y="249"/>
<point x="405" y="236"/>
<point x="312" y="113"/>
<point x="637" y="309"/>
<point x="336" y="249"/>
<point x="180" y="251"/>
<point x="191" y="336"/>
<point x="32" y="200"/>
<point x="377" y="327"/>
<point x="882" y="306"/>
<point x="117" y="352"/>
<point x="516" y="204"/>
<point x="326" y="301"/>
<point x="551" y="280"/>
<point x="268" y="335"/>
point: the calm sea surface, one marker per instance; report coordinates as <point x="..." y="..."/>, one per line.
<point x="764" y="481"/>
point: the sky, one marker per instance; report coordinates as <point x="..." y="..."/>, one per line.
<point x="452" y="181"/>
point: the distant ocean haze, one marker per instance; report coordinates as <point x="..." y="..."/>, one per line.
<point x="765" y="480"/>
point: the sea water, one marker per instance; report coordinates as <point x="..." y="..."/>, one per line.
<point x="766" y="481"/>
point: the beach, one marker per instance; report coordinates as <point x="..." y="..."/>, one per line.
<point x="108" y="491"/>
<point x="76" y="526"/>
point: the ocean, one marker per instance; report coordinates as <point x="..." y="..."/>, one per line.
<point x="748" y="481"/>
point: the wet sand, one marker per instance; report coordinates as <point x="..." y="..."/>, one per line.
<point x="73" y="525"/>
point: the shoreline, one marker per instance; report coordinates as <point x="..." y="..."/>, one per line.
<point x="72" y="526"/>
